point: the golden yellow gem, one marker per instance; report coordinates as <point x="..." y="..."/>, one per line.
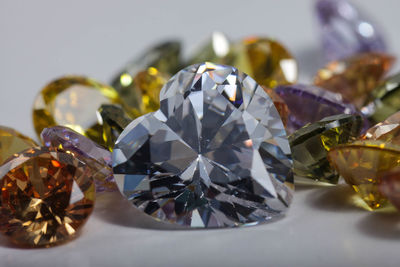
<point x="266" y="60"/>
<point x="361" y="164"/>
<point x="12" y="142"/>
<point x="73" y="102"/>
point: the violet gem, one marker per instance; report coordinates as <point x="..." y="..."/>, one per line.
<point x="308" y="104"/>
<point x="83" y="146"/>
<point x="345" y="31"/>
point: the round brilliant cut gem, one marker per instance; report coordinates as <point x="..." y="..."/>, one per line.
<point x="47" y="196"/>
<point x="214" y="155"/>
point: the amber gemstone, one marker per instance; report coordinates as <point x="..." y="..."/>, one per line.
<point x="387" y="131"/>
<point x="12" y="142"/>
<point x="355" y="77"/>
<point x="114" y="120"/>
<point x="390" y="186"/>
<point x="73" y="102"/>
<point x="362" y="163"/>
<point x="46" y="196"/>
<point x="266" y="60"/>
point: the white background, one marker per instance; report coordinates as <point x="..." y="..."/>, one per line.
<point x="42" y="40"/>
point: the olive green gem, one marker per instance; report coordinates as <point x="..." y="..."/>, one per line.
<point x="114" y="120"/>
<point x="311" y="144"/>
<point x="387" y="99"/>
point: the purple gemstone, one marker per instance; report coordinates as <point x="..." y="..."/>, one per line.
<point x="83" y="146"/>
<point x="345" y="31"/>
<point x="308" y="104"/>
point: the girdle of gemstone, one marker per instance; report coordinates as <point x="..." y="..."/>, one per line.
<point x="214" y="155"/>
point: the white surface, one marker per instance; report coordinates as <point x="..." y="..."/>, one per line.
<point x="41" y="40"/>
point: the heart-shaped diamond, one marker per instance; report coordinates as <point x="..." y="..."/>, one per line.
<point x="215" y="154"/>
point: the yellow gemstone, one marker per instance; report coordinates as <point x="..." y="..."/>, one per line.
<point x="73" y="102"/>
<point x="355" y="77"/>
<point x="266" y="60"/>
<point x="362" y="163"/>
<point x="12" y="142"/>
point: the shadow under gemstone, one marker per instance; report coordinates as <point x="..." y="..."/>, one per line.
<point x="339" y="198"/>
<point x="382" y="225"/>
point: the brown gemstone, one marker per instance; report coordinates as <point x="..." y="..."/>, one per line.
<point x="390" y="186"/>
<point x="355" y="77"/>
<point x="46" y="196"/>
<point x="386" y="131"/>
<point x="12" y="142"/>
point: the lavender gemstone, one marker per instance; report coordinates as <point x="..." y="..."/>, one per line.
<point x="345" y="31"/>
<point x="308" y="104"/>
<point x="83" y="146"/>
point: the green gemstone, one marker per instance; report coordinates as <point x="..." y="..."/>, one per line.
<point x="311" y="144"/>
<point x="114" y="120"/>
<point x="142" y="79"/>
<point x="217" y="50"/>
<point x="387" y="99"/>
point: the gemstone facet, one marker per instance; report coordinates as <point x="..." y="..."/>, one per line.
<point x="345" y="31"/>
<point x="362" y="163"/>
<point x="84" y="148"/>
<point x="310" y="146"/>
<point x="12" y="142"/>
<point x="387" y="131"/>
<point x="216" y="50"/>
<point x="140" y="82"/>
<point x="279" y="103"/>
<point x="73" y="102"/>
<point x="47" y="196"/>
<point x="114" y="120"/>
<point x="266" y="60"/>
<point x="386" y="99"/>
<point x="308" y="104"/>
<point x="355" y="77"/>
<point x="214" y="155"/>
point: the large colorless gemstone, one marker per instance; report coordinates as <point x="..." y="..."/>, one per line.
<point x="214" y="155"/>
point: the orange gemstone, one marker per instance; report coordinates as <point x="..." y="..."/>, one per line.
<point x="386" y="131"/>
<point x="354" y="78"/>
<point x="46" y="196"/>
<point x="280" y="105"/>
<point x="362" y="163"/>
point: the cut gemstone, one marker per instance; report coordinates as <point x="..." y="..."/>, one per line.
<point x="387" y="131"/>
<point x="345" y="31"/>
<point x="355" y="77"/>
<point x="386" y="99"/>
<point x="319" y="104"/>
<point x="216" y="50"/>
<point x="84" y="148"/>
<point x="12" y="142"/>
<point x="214" y="155"/>
<point x="310" y="146"/>
<point x="266" y="60"/>
<point x="73" y="102"/>
<point x="47" y="196"/>
<point x="279" y="103"/>
<point x="140" y="82"/>
<point x="114" y="120"/>
<point x="361" y="164"/>
<point x="389" y="186"/>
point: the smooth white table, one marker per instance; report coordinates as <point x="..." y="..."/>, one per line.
<point x="42" y="40"/>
